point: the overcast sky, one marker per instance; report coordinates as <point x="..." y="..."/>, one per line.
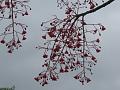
<point x="20" y="68"/>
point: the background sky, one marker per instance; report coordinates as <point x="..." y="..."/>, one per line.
<point x="20" y="68"/>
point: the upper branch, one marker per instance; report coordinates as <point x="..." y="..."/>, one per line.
<point x="95" y="9"/>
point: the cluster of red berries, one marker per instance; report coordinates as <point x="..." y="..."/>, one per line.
<point x="11" y="37"/>
<point x="47" y="75"/>
<point x="63" y="50"/>
<point x="67" y="47"/>
<point x="15" y="41"/>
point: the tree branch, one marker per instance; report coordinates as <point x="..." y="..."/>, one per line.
<point x="95" y="9"/>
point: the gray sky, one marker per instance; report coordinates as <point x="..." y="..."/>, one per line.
<point x="20" y="68"/>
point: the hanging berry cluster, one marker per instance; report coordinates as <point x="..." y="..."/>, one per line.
<point x="68" y="42"/>
<point x="14" y="32"/>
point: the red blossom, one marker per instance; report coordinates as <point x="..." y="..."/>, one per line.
<point x="66" y="52"/>
<point x="92" y="5"/>
<point x="23" y="32"/>
<point x="97" y="50"/>
<point x="70" y="45"/>
<point x="85" y="55"/>
<point x="88" y="80"/>
<point x="61" y="59"/>
<point x="44" y="76"/>
<point x="66" y="67"/>
<point x="2" y="41"/>
<point x="97" y="40"/>
<point x="78" y="62"/>
<point x="26" y="13"/>
<point x="61" y="70"/>
<point x="57" y="48"/>
<point x="45" y="56"/>
<point x="76" y="77"/>
<point x="14" y="44"/>
<point x="44" y="83"/>
<point x="18" y="41"/>
<point x="78" y="45"/>
<point x="51" y="34"/>
<point x="66" y="70"/>
<point x="71" y="67"/>
<point x="9" y="51"/>
<point x="24" y="38"/>
<point x="68" y="11"/>
<point x="93" y="58"/>
<point x="54" y="78"/>
<point x="44" y="37"/>
<point x="53" y="56"/>
<point x="103" y="28"/>
<point x="36" y="78"/>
